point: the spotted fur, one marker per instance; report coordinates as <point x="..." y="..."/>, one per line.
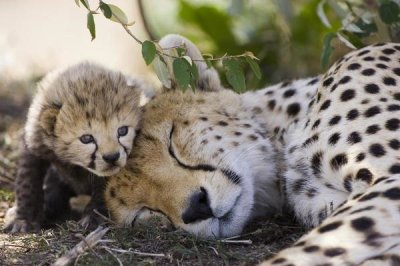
<point x="328" y="147"/>
<point x="82" y="122"/>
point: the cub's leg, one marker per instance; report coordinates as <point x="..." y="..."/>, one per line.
<point x="364" y="228"/>
<point x="90" y="218"/>
<point x="29" y="194"/>
<point x="56" y="197"/>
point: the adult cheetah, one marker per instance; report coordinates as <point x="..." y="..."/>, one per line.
<point x="328" y="147"/>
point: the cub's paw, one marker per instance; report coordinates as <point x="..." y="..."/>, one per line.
<point x="15" y="225"/>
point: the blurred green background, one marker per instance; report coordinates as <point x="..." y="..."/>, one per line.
<point x="289" y="37"/>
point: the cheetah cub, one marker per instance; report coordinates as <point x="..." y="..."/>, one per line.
<point x="80" y="128"/>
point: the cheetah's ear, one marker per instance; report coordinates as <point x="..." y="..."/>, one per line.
<point x="48" y="118"/>
<point x="208" y="77"/>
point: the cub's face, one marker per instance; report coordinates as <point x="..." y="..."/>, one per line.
<point x="100" y="146"/>
<point x="86" y="116"/>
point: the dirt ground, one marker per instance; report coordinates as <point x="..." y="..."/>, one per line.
<point x="150" y="243"/>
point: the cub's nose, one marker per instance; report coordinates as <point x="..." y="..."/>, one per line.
<point x="199" y="207"/>
<point x="111" y="158"/>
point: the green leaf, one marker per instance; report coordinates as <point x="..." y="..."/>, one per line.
<point x="182" y="72"/>
<point x="234" y="74"/>
<point x="389" y="12"/>
<point x="85" y="3"/>
<point x="161" y="69"/>
<point x="90" y="25"/>
<point x="254" y="66"/>
<point x="345" y="41"/>
<point x="149" y="51"/>
<point x="118" y="15"/>
<point x="106" y="10"/>
<point x="321" y="14"/>
<point x="327" y="49"/>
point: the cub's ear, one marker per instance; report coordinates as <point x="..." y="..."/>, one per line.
<point x="48" y="118"/>
<point x="208" y="77"/>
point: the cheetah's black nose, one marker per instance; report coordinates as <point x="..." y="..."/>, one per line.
<point x="199" y="207"/>
<point x="111" y="158"/>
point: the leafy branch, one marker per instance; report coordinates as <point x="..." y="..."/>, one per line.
<point x="173" y="63"/>
<point x="358" y="22"/>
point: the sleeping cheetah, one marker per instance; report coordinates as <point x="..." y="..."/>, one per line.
<point x="80" y="128"/>
<point x="327" y="147"/>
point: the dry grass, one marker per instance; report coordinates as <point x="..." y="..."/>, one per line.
<point x="149" y="243"/>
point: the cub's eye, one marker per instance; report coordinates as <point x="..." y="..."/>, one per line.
<point x="122" y="131"/>
<point x="86" y="139"/>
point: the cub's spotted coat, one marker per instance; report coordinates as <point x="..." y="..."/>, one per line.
<point x="80" y="128"/>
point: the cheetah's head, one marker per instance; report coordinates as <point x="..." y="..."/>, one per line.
<point x="86" y="116"/>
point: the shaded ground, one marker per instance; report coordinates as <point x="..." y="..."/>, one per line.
<point x="150" y="243"/>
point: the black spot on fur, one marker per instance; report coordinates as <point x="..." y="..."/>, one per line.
<point x="325" y="105"/>
<point x="352" y="114"/>
<point x="338" y="161"/>
<point x="330" y="227"/>
<point x="381" y="66"/>
<point x="368" y="72"/>
<point x="316" y="124"/>
<point x="372" y="129"/>
<point x="333" y="252"/>
<point x="334" y="138"/>
<point x="389" y="81"/>
<point x="345" y="80"/>
<point x="394" y="144"/>
<point x="354" y="138"/>
<point x="377" y="150"/>
<point x="392" y="193"/>
<point x="327" y="82"/>
<point x="289" y="93"/>
<point x="347" y="183"/>
<point x="271" y="104"/>
<point x="293" y="109"/>
<point x="362" y="224"/>
<point x="392" y="124"/>
<point x="364" y="175"/>
<point x="393" y="107"/>
<point x="311" y="249"/>
<point x="334" y="120"/>
<point x="222" y="123"/>
<point x="313" y="81"/>
<point x="369" y="196"/>
<point x="316" y="163"/>
<point x="354" y="66"/>
<point x="388" y="51"/>
<point x="372" y="111"/>
<point x="347" y="95"/>
<point x="372" y="88"/>
<point x="395" y="169"/>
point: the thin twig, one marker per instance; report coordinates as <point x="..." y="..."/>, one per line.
<point x="215" y="250"/>
<point x="16" y="246"/>
<point x="246" y="242"/>
<point x="109" y="251"/>
<point x="104" y="217"/>
<point x="136" y="252"/>
<point x="90" y="241"/>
